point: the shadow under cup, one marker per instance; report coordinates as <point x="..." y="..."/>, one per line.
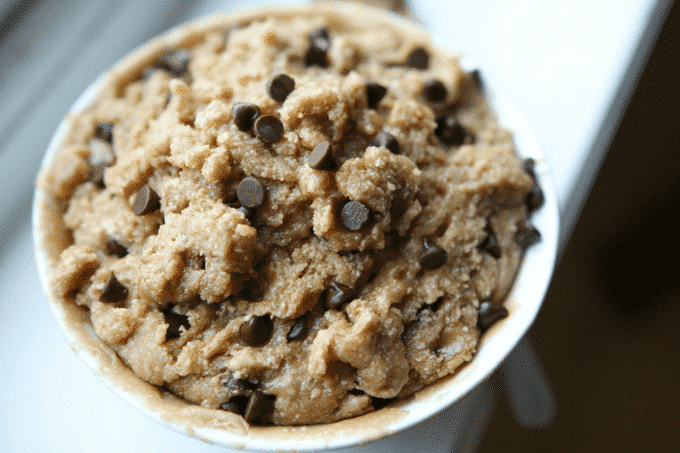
<point x="224" y="428"/>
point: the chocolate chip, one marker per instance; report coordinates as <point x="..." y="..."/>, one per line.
<point x="317" y="52"/>
<point x="316" y="56"/>
<point x="269" y="129"/>
<point x="113" y="291"/>
<point x="257" y="330"/>
<point x="321" y="157"/>
<point x="434" y="90"/>
<point x="387" y="140"/>
<point x="476" y="77"/>
<point x="104" y="131"/>
<point x="528" y="165"/>
<point x="450" y="131"/>
<point x="176" y="62"/>
<point x="237" y="405"/>
<point x="146" y="201"/>
<point x="115" y="249"/>
<point x="354" y="215"/>
<point x="535" y="198"/>
<point x="242" y="386"/>
<point x="252" y="291"/>
<point x="175" y="321"/>
<point x="489" y="314"/>
<point x="259" y="404"/>
<point x="527" y="235"/>
<point x="298" y="329"/>
<point x="419" y="58"/>
<point x="250" y="193"/>
<point x="244" y="115"/>
<point x="433" y="257"/>
<point x="280" y="86"/>
<point x="97" y="174"/>
<point x="490" y="244"/>
<point x="338" y="294"/>
<point x="379" y="403"/>
<point x="374" y="94"/>
<point x="233" y="406"/>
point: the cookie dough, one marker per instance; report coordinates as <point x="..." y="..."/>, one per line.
<point x="295" y="219"/>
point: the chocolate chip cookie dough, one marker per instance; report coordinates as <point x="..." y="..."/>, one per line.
<point x="297" y="219"/>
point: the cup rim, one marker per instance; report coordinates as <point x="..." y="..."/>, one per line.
<point x="226" y="429"/>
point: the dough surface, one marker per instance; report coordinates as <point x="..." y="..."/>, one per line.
<point x="352" y="312"/>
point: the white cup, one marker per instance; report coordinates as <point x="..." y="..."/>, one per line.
<point x="225" y="429"/>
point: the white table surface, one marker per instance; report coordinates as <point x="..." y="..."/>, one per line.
<point x="569" y="66"/>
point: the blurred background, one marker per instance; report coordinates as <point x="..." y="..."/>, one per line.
<point x="607" y="334"/>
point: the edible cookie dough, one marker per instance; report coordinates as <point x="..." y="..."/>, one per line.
<point x="297" y="219"/>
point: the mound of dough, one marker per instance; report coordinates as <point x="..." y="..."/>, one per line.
<point x="383" y="204"/>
